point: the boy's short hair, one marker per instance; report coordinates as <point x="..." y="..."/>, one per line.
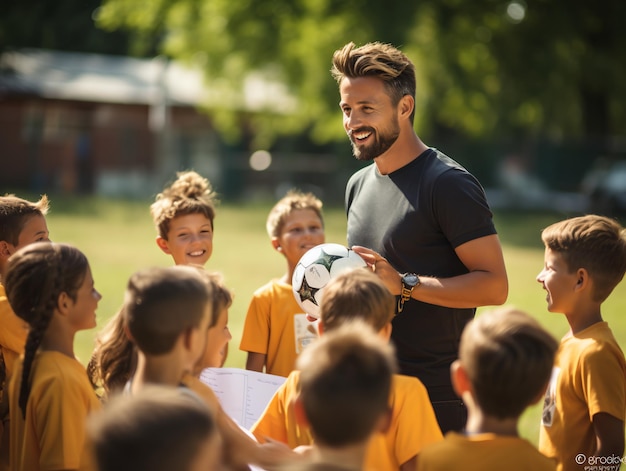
<point x="159" y="428"/>
<point x="14" y="212"/>
<point x="508" y="358"/>
<point x="595" y="243"/>
<point x="161" y="304"/>
<point x="345" y="382"/>
<point x="357" y="294"/>
<point x="293" y="200"/>
<point x="190" y="193"/>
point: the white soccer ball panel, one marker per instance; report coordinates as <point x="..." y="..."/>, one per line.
<point x="347" y="263"/>
<point x="317" y="275"/>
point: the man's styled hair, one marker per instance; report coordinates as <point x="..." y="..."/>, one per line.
<point x="161" y="304"/>
<point x="293" y="200"/>
<point x="345" y="382"/>
<point x="508" y="358"/>
<point x="380" y="60"/>
<point x="14" y="212"/>
<point x="159" y="428"/>
<point x="356" y="294"/>
<point x="190" y="193"/>
<point x="595" y="243"/>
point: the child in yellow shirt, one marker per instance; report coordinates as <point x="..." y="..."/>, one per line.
<point x="345" y="383"/>
<point x="50" y="286"/>
<point x="183" y="214"/>
<point x="360" y="294"/>
<point x="276" y="330"/>
<point x="21" y="223"/>
<point x="505" y="360"/>
<point x="585" y="405"/>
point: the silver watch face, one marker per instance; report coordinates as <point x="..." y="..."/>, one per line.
<point x="410" y="279"/>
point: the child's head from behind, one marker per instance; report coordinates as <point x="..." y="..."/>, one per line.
<point x="218" y="335"/>
<point x="45" y="278"/>
<point x="594" y="243"/>
<point x="163" y="304"/>
<point x="356" y="294"/>
<point x="507" y="358"/>
<point x="158" y="428"/>
<point x="21" y="222"/>
<point x="345" y="382"/>
<point x="183" y="214"/>
<point x="295" y="224"/>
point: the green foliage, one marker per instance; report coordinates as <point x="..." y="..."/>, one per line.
<point x="485" y="67"/>
<point x="59" y="24"/>
<point x="541" y="69"/>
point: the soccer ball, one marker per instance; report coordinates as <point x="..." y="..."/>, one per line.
<point x="316" y="268"/>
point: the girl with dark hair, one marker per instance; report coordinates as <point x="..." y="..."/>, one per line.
<point x="50" y="286"/>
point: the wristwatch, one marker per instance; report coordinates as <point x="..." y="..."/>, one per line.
<point x="409" y="282"/>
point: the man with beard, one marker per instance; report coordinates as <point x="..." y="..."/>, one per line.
<point x="418" y="218"/>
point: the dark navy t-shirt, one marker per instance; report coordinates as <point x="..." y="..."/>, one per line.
<point x="415" y="217"/>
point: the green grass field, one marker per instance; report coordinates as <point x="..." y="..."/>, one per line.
<point x="118" y="238"/>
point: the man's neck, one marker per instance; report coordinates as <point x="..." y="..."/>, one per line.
<point x="406" y="149"/>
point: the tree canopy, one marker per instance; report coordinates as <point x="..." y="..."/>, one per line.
<point x="514" y="68"/>
<point x="529" y="67"/>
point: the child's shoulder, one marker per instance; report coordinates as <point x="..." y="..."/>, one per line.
<point x="595" y="338"/>
<point x="53" y="371"/>
<point x="407" y="387"/>
<point x="595" y="345"/>
<point x="407" y="382"/>
<point x="482" y="451"/>
<point x="274" y="287"/>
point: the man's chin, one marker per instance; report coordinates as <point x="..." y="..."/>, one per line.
<point x="360" y="155"/>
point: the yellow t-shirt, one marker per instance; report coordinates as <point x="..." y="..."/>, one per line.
<point x="276" y="326"/>
<point x="52" y="436"/>
<point x="413" y="423"/>
<point x="13" y="333"/>
<point x="483" y="452"/>
<point x="589" y="377"/>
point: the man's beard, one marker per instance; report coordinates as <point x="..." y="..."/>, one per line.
<point x="382" y="143"/>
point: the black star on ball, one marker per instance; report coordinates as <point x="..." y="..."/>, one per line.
<point x="306" y="292"/>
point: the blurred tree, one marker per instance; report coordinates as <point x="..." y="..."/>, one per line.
<point x="65" y="25"/>
<point x="521" y="68"/>
<point x="484" y="66"/>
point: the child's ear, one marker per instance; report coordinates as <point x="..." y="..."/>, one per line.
<point x="276" y="244"/>
<point x="5" y="249"/>
<point x="320" y="327"/>
<point x="300" y="414"/>
<point x="582" y="279"/>
<point x="460" y="381"/>
<point x="63" y="303"/>
<point x="385" y="332"/>
<point x="189" y="337"/>
<point x="163" y="245"/>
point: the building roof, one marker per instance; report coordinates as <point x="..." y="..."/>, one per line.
<point x="121" y="79"/>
